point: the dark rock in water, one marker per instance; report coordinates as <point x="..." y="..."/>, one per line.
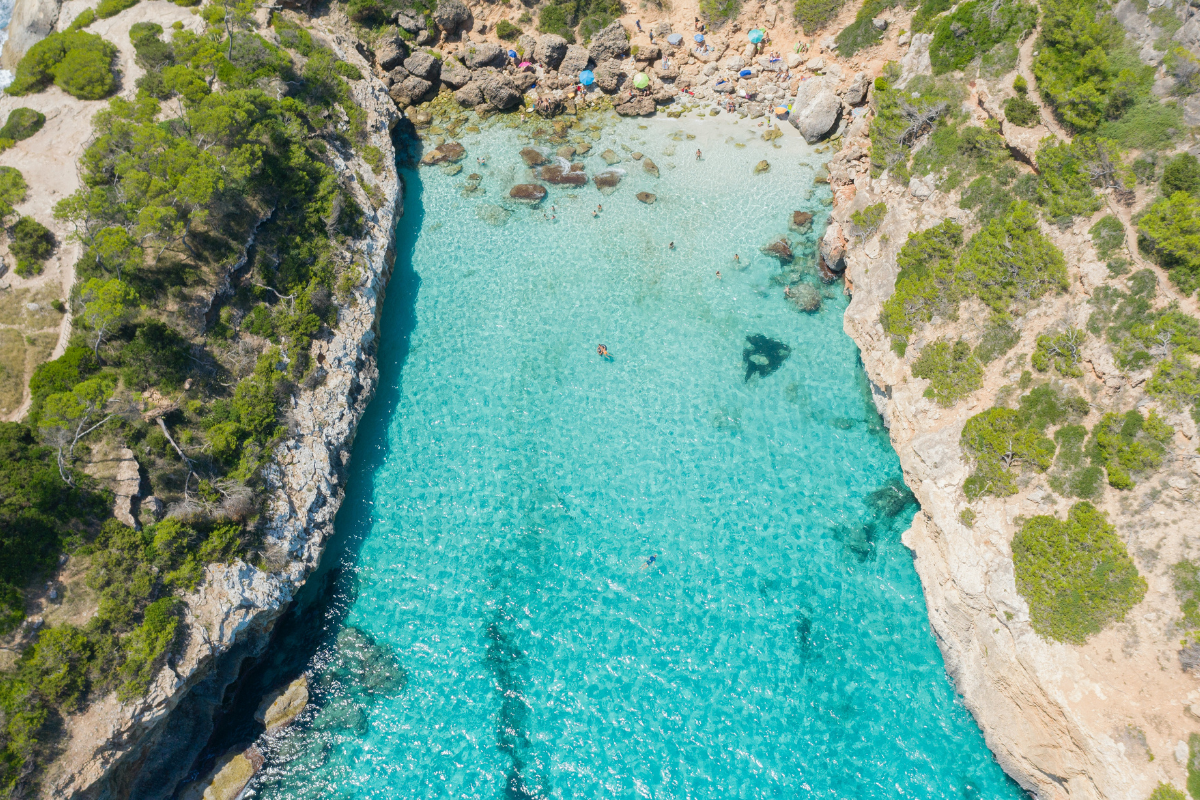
<point x="578" y="166"/>
<point x="890" y="500"/>
<point x="607" y="181"/>
<point x="566" y="151"/>
<point x="650" y="167"/>
<point x="475" y="176"/>
<point x="761" y="167"/>
<point x="533" y="157"/>
<point x="447" y="152"/>
<point x="528" y="193"/>
<point x="801" y="221"/>
<point x="806" y="297"/>
<point x="780" y="249"/>
<point x="359" y="659"/>
<point x="452" y="169"/>
<point x="763" y="355"/>
<point x="859" y="541"/>
<point x="824" y="272"/>
<point x="554" y="173"/>
<point x="646" y="197"/>
<point x="341" y="713"/>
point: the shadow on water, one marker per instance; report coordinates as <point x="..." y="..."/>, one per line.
<point x="313" y="622"/>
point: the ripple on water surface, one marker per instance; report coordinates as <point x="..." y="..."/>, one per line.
<point x="497" y="630"/>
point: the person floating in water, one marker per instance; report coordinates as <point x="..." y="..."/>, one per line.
<point x="671" y="246"/>
<point x="718" y="274"/>
<point x="602" y="351"/>
<point x="736" y="258"/>
<point x="650" y="561"/>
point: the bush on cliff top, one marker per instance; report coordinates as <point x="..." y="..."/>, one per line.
<point x="1075" y="574"/>
<point x="81" y="64"/>
<point x="953" y="371"/>
<point x="1169" y="232"/>
<point x="974" y="28"/>
<point x="814" y="15"/>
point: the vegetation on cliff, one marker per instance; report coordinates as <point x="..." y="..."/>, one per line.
<point x="81" y="64"/>
<point x="1075" y="574"/>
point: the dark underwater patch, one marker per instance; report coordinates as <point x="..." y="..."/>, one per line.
<point x="763" y="355"/>
<point x="507" y="664"/>
<point x="891" y="499"/>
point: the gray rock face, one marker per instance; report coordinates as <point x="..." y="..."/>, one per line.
<point x="499" y="91"/>
<point x="574" y="61"/>
<point x="526" y="44"/>
<point x="409" y="22"/>
<point x="450" y="15"/>
<point x="639" y="106"/>
<point x="819" y="118"/>
<point x="857" y="93"/>
<point x="485" y="55"/>
<point x="609" y="77"/>
<point x="550" y="50"/>
<point x="647" y="53"/>
<point x="411" y="90"/>
<point x="469" y="95"/>
<point x="390" y="52"/>
<point x="612" y="42"/>
<point x="455" y="75"/>
<point x="423" y="65"/>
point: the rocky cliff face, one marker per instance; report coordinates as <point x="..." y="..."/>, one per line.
<point x="1102" y="720"/>
<point x="143" y="748"/>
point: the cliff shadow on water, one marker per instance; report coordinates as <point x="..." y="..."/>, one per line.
<point x="311" y="630"/>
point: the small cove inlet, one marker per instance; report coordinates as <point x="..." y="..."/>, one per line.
<point x="672" y="573"/>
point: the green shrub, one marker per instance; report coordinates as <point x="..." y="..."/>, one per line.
<point x="1075" y="574"/>
<point x="110" y="8"/>
<point x="867" y="221"/>
<point x="1146" y="124"/>
<point x="78" y="63"/>
<point x="1022" y="111"/>
<point x="904" y="115"/>
<point x="967" y="517"/>
<point x="1009" y="262"/>
<point x="999" y="336"/>
<point x="57" y="666"/>
<point x="952" y="370"/>
<point x="974" y="28"/>
<point x="157" y="356"/>
<point x="147" y="646"/>
<point x="1165" y="791"/>
<point x="1129" y="444"/>
<point x="1065" y="186"/>
<point x="862" y="33"/>
<point x="1045" y="406"/>
<point x="557" y="19"/>
<point x="1072" y="476"/>
<point x="1169" y="231"/>
<point x="1020" y="85"/>
<point x="998" y="441"/>
<point x="1181" y="174"/>
<point x="961" y="151"/>
<point x="22" y="123"/>
<point x="1193" y="765"/>
<point x="814" y="15"/>
<point x="32" y="243"/>
<point x="1186" y="578"/>
<point x="1184" y="66"/>
<point x="990" y="196"/>
<point x="1059" y="350"/>
<point x="927" y="12"/>
<point x="85" y="18"/>
<point x="719" y="9"/>
<point x="507" y="31"/>
<point x="1176" y="383"/>
<point x="12" y="189"/>
<point x="926" y="283"/>
<point x="1108" y="235"/>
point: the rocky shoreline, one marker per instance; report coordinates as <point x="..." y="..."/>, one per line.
<point x="145" y="748"/>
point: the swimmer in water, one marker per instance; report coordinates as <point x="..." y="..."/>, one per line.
<point x="718" y="274"/>
<point x="671" y="246"/>
<point x="697" y="155"/>
<point x="602" y="351"/>
<point x="737" y="258"/>
<point x="649" y="561"/>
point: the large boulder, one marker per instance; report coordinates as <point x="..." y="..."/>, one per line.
<point x="445" y="153"/>
<point x="636" y="106"/>
<point x="574" y="61"/>
<point x="533" y="157"/>
<point x="390" y="52"/>
<point x="500" y="92"/>
<point x="819" y="117"/>
<point x="485" y="54"/>
<point x="526" y="45"/>
<point x="833" y="250"/>
<point x="409" y="21"/>
<point x="609" y="77"/>
<point x="524" y="81"/>
<point x="469" y="95"/>
<point x="647" y="53"/>
<point x="562" y="176"/>
<point x="279" y="708"/>
<point x="450" y="15"/>
<point x="550" y="50"/>
<point x="527" y="193"/>
<point x="455" y="75"/>
<point x="857" y="93"/>
<point x="612" y="42"/>
<point x="423" y="65"/>
<point x="607" y="181"/>
<point x="781" y="249"/>
<point x="410" y="91"/>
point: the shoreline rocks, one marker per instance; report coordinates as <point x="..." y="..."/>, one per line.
<point x="530" y="194"/>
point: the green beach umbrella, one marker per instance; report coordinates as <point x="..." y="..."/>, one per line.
<point x="641" y="80"/>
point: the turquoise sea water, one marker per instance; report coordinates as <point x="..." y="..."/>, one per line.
<point x="491" y="627"/>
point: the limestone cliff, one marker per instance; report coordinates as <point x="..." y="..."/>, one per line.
<point x="143" y="748"/>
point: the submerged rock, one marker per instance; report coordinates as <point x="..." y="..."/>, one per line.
<point x="805" y="296"/>
<point x="341" y="713"/>
<point x="493" y="215"/>
<point x="528" y="193"/>
<point x="780" y="249"/>
<point x="607" y="181"/>
<point x="443" y="153"/>
<point x="359" y="659"/>
<point x="763" y="355"/>
<point x="801" y="221"/>
<point x="556" y="174"/>
<point x="650" y="167"/>
<point x="761" y="167"/>
<point x="533" y="157"/>
<point x="646" y="197"/>
<point x="283" y="705"/>
<point x="566" y="151"/>
<point x="610" y="157"/>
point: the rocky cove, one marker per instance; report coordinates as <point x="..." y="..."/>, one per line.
<point x="1029" y="696"/>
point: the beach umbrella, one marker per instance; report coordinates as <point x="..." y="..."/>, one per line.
<point x="641" y="80"/>
<point x="674" y="39"/>
<point x="524" y="64"/>
<point x="780" y="110"/>
<point x="512" y="53"/>
<point x="698" y="38"/>
<point x="756" y="35"/>
<point x="745" y="73"/>
<point x="587" y="78"/>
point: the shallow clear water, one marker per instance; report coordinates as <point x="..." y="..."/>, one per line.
<point x="495" y="629"/>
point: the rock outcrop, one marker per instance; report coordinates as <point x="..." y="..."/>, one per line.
<point x="610" y="43"/>
<point x="550" y="50"/>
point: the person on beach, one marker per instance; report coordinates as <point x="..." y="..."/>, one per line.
<point x="638" y="22"/>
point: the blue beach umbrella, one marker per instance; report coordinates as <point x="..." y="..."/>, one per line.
<point x="512" y="53"/>
<point x="587" y="78"/>
<point x="698" y="38"/>
<point x="745" y="73"/>
<point x="674" y="39"/>
<point x="756" y="35"/>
